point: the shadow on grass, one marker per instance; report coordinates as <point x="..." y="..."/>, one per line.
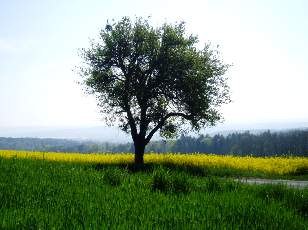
<point x="188" y="169"/>
<point x="150" y="167"/>
<point x="129" y="167"/>
<point x="224" y="172"/>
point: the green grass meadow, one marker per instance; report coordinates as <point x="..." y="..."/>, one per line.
<point x="38" y="194"/>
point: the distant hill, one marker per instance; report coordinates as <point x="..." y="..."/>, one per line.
<point x="98" y="133"/>
<point x="256" y="128"/>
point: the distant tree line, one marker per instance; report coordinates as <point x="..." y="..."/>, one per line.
<point x="245" y="143"/>
<point x="263" y="144"/>
<point x="60" y="145"/>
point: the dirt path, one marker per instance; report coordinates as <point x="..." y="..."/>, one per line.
<point x="290" y="183"/>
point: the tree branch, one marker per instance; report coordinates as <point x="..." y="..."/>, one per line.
<point x="162" y="122"/>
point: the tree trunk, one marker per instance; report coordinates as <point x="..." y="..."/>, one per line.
<point x="139" y="152"/>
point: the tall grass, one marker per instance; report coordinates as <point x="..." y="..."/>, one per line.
<point x="62" y="195"/>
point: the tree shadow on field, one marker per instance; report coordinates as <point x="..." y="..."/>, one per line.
<point x="198" y="171"/>
<point x="150" y="167"/>
<point x="129" y="167"/>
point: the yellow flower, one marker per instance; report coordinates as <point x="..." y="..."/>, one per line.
<point x="275" y="165"/>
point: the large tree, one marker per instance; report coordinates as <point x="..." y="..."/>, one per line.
<point x="148" y="79"/>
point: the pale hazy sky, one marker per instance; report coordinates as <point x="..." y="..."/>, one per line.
<point x="266" y="41"/>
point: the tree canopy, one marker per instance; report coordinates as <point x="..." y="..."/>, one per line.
<point x="148" y="79"/>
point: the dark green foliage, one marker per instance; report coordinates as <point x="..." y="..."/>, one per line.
<point x="297" y="199"/>
<point x="30" y="223"/>
<point x="166" y="181"/>
<point x="53" y="195"/>
<point x="113" y="177"/>
<point x="136" y="67"/>
<point x="273" y="192"/>
<point x="216" y="184"/>
<point x="263" y="144"/>
<point x="149" y="79"/>
<point x="181" y="183"/>
<point x="161" y="181"/>
<point x="213" y="184"/>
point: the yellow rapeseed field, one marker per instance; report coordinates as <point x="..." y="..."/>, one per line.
<point x="275" y="165"/>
